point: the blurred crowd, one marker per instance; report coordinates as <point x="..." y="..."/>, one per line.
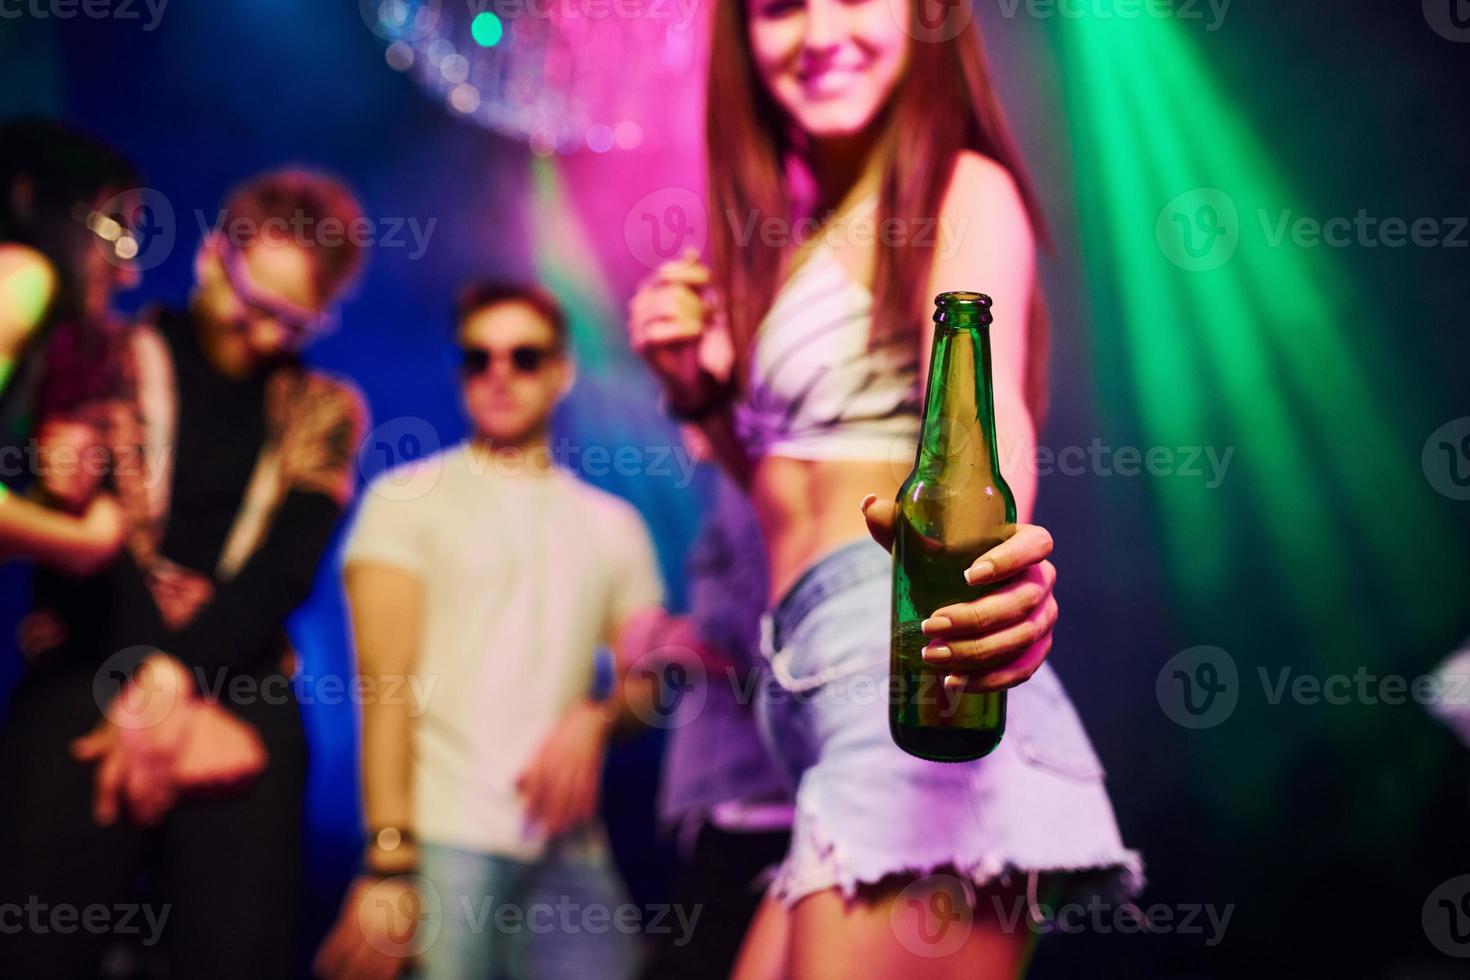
<point x="175" y="479"/>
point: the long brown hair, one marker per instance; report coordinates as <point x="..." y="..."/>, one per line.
<point x="944" y="104"/>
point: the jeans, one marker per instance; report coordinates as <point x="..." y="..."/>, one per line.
<point x="562" y="916"/>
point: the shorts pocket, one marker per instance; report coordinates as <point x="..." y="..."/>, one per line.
<point x="1046" y="729"/>
<point x="843" y="636"/>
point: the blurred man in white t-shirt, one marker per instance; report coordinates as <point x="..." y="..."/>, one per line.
<point x="490" y="577"/>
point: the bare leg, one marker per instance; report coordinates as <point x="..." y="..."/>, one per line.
<point x="908" y="928"/>
<point x="763" y="954"/>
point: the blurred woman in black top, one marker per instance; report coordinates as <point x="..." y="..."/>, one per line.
<point x="59" y="194"/>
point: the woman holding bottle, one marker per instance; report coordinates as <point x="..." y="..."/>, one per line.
<point x="861" y="120"/>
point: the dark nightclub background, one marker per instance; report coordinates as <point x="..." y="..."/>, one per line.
<point x="1296" y="513"/>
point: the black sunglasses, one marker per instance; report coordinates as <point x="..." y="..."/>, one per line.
<point x="524" y="359"/>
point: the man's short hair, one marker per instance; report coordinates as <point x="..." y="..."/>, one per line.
<point x="305" y="208"/>
<point x="491" y="292"/>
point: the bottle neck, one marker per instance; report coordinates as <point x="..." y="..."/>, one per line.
<point x="959" y="411"/>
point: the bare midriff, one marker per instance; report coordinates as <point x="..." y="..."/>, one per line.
<point x="808" y="508"/>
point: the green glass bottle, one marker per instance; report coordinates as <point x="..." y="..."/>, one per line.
<point x="954" y="507"/>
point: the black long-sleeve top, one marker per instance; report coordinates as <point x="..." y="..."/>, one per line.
<point x="221" y="428"/>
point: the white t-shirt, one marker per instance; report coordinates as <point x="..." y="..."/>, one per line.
<point x="524" y="576"/>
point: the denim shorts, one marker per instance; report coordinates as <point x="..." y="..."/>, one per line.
<point x="865" y="809"/>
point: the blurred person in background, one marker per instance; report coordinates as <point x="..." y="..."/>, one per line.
<point x="720" y="793"/>
<point x="882" y="131"/>
<point x="491" y="576"/>
<point x="59" y="193"/>
<point x="122" y="760"/>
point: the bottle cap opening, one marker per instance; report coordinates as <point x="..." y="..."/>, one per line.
<point x="963" y="309"/>
<point x="963" y="298"/>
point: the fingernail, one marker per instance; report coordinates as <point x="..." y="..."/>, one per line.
<point x="937" y="653"/>
<point x="868" y="501"/>
<point x="979" y="573"/>
<point x="935" y="624"/>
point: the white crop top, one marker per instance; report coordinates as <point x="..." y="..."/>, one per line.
<point x="815" y="390"/>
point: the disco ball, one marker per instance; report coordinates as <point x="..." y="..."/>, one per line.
<point x="565" y="75"/>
